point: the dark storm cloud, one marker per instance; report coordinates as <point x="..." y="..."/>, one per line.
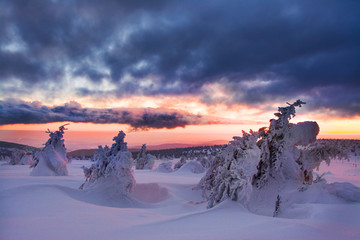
<point x="298" y="47"/>
<point x="17" y="111"/>
<point x="18" y="65"/>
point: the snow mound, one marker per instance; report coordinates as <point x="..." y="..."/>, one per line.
<point x="106" y="193"/>
<point x="192" y="166"/>
<point x="345" y="191"/>
<point x="150" y="193"/>
<point x="165" y="167"/>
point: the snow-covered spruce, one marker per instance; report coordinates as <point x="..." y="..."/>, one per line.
<point x="51" y="160"/>
<point x="112" y="173"/>
<point x="257" y="167"/>
<point x="144" y="160"/>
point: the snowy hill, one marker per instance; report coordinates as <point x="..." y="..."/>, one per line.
<point x="16" y="146"/>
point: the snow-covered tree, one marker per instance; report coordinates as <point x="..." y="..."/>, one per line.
<point x="119" y="146"/>
<point x="144" y="160"/>
<point x="112" y="171"/>
<point x="280" y="158"/>
<point x="230" y="176"/>
<point x="51" y="160"/>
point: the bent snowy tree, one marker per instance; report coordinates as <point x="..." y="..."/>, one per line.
<point x="51" y="160"/>
<point x="112" y="171"/>
<point x="260" y="165"/>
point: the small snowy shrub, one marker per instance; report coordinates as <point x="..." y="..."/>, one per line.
<point x="277" y="206"/>
<point x="180" y="163"/>
<point x="144" y="160"/>
<point x="51" y="160"/>
<point x="27" y="159"/>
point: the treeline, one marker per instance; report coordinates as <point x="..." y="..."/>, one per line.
<point x="189" y="152"/>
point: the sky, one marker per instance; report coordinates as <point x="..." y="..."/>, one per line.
<point x="176" y="71"/>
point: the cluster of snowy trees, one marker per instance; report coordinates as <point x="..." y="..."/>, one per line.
<point x="190" y="153"/>
<point x="346" y="147"/>
<point x="16" y="154"/>
<point x="257" y="168"/>
<point x="20" y="157"/>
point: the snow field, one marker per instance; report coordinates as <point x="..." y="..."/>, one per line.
<point x="166" y="207"/>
